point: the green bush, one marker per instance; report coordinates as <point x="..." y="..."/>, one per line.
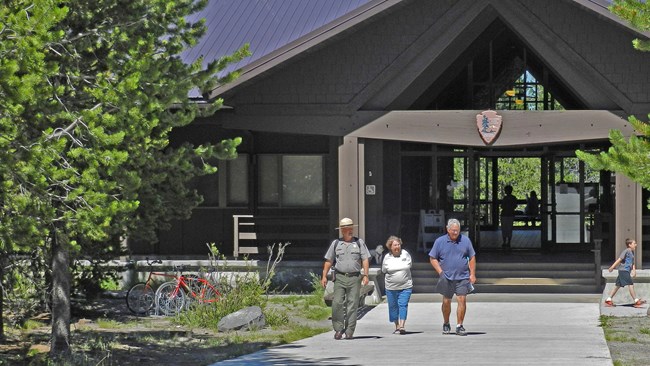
<point x="239" y="291"/>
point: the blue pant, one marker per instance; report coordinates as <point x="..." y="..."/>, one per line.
<point x="398" y="303"/>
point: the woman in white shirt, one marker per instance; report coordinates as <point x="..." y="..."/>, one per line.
<point x="397" y="269"/>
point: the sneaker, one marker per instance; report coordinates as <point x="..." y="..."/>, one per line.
<point x="460" y="330"/>
<point x="338" y="335"/>
<point x="446" y="328"/>
<point x="639" y="302"/>
<point x="609" y="303"/>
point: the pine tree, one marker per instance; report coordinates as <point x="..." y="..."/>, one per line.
<point x="89" y="92"/>
<point x="628" y="156"/>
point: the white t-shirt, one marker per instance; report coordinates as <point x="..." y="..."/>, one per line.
<point x="397" y="271"/>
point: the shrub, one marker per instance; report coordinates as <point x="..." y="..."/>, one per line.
<point x="239" y="291"/>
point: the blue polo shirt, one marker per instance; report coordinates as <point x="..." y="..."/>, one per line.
<point x="453" y="256"/>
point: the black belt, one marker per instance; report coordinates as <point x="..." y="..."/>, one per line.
<point x="349" y="274"/>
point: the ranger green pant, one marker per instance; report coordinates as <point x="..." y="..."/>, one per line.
<point x="345" y="303"/>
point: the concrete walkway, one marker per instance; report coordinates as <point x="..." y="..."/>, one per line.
<point x="503" y="329"/>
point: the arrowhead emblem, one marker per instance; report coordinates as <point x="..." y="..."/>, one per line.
<point x="489" y="126"/>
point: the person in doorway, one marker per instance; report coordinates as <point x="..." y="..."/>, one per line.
<point x="349" y="256"/>
<point x="508" y="206"/>
<point x="454" y="259"/>
<point x="532" y="208"/>
<point x="398" y="282"/>
<point x="626" y="270"/>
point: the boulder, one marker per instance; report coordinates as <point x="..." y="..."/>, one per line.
<point x="249" y="318"/>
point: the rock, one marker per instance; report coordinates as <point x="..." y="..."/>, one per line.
<point x="249" y="318"/>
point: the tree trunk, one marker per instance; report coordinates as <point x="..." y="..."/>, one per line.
<point x="2" y="299"/>
<point x="60" y="297"/>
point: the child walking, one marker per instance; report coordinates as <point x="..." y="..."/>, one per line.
<point x="626" y="271"/>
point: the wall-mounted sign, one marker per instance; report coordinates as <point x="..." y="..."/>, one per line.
<point x="489" y="126"/>
<point x="370" y="190"/>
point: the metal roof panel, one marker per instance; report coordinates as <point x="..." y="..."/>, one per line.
<point x="265" y="24"/>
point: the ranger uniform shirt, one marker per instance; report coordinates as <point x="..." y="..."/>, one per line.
<point x="347" y="257"/>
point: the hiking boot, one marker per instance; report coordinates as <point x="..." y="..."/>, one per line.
<point x="446" y="328"/>
<point x="460" y="330"/>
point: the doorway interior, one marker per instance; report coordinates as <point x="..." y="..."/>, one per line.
<point x="574" y="202"/>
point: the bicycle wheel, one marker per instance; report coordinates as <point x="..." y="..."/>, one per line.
<point x="169" y="300"/>
<point x="140" y="299"/>
<point x="207" y="293"/>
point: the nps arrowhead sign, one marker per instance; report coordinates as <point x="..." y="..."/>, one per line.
<point x="489" y="126"/>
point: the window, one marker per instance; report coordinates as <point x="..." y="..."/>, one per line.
<point x="269" y="194"/>
<point x="231" y="178"/>
<point x="291" y="180"/>
<point x="528" y="93"/>
<point x="237" y="175"/>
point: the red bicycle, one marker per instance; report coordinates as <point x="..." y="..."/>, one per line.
<point x="140" y="297"/>
<point x="184" y="291"/>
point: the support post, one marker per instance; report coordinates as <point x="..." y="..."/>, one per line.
<point x="597" y="262"/>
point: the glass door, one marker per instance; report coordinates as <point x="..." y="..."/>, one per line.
<point x="573" y="197"/>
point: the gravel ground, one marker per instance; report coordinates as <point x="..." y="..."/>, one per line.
<point x="628" y="339"/>
<point x="131" y="340"/>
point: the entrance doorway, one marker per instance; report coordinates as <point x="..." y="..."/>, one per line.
<point x="467" y="184"/>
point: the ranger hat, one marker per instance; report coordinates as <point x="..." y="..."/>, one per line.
<point x="345" y="222"/>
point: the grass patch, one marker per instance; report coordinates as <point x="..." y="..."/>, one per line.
<point x="275" y="317"/>
<point x="299" y="332"/>
<point x="645" y="331"/>
<point x="318" y="313"/>
<point x="109" y="324"/>
<point x="617" y="337"/>
<point x="30" y="324"/>
<point x="605" y="321"/>
<point x="305" y="306"/>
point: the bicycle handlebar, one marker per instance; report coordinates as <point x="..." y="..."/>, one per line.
<point x="131" y="263"/>
<point x="179" y="268"/>
<point x="152" y="262"/>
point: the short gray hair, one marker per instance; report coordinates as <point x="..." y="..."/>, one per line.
<point x="453" y="222"/>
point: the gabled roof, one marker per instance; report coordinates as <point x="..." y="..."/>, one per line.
<point x="267" y="25"/>
<point x="278" y="30"/>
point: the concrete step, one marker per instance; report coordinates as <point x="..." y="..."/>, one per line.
<point x="518" y="278"/>
<point x="589" y="274"/>
<point x="530" y="289"/>
<point x="533" y="266"/>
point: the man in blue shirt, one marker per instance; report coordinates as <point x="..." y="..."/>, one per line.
<point x="454" y="258"/>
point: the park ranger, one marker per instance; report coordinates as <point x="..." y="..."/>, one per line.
<point x="350" y="258"/>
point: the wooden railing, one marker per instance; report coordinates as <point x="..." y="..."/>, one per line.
<point x="258" y="232"/>
<point x="239" y="222"/>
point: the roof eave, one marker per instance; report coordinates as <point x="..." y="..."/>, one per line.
<point x="603" y="11"/>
